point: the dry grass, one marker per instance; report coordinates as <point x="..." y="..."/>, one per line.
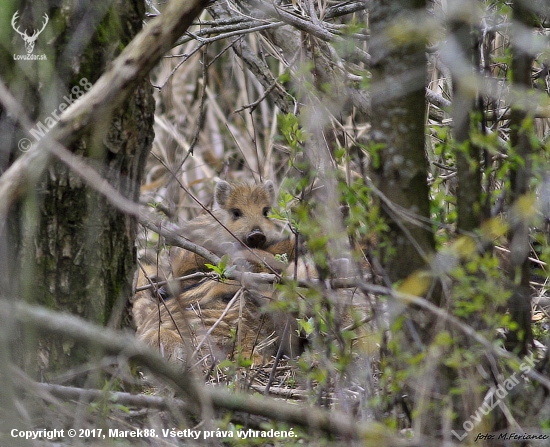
<point x="237" y="143"/>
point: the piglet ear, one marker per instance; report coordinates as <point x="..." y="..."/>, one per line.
<point x="222" y="193"/>
<point x="270" y="190"/>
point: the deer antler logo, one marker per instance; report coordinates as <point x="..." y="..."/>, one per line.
<point x="29" y="40"/>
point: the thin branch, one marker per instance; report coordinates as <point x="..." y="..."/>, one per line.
<point x="344" y="9"/>
<point x="127" y="399"/>
<point x="172" y="237"/>
<point x="124" y="344"/>
<point x="252" y="106"/>
<point x="206" y="337"/>
<point x="466" y="329"/>
<point x="108" y="93"/>
<point x="94" y="180"/>
<point x="198" y="275"/>
<point x="437" y="100"/>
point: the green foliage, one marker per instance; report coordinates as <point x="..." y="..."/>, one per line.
<point x="479" y="286"/>
<point x="103" y="407"/>
<point x="292" y="131"/>
<point x="284" y="212"/>
<point x="307" y="325"/>
<point x="282" y="258"/>
<point x="475" y="289"/>
<point x="347" y="45"/>
<point x="221" y="269"/>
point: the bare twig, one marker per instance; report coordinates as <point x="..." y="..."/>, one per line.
<point x="123" y="344"/>
<point x="198" y="275"/>
<point x="108" y="93"/>
<point x="127" y="399"/>
<point x="466" y="329"/>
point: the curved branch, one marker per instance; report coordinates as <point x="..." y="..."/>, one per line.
<point x="108" y="93"/>
<point x="118" y="343"/>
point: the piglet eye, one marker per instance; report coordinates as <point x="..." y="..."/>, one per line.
<point x="266" y="211"/>
<point x="236" y="213"/>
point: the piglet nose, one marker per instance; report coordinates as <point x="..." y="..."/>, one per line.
<point x="255" y="239"/>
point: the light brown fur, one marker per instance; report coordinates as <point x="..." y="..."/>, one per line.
<point x="179" y="325"/>
<point x="145" y="301"/>
<point x="250" y="238"/>
<point x="199" y="316"/>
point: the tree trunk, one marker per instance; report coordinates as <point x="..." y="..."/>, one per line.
<point x="398" y="104"/>
<point x="520" y="304"/>
<point x="462" y="60"/>
<point x="75" y="252"/>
